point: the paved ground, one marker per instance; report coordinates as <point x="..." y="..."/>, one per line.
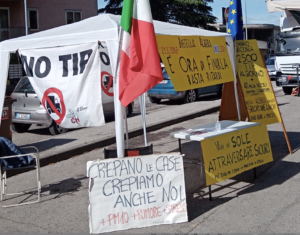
<point x="79" y="141"/>
<point x="269" y="204"/>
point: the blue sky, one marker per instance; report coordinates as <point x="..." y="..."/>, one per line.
<point x="257" y="12"/>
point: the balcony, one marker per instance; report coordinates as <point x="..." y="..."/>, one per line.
<point x="9" y="33"/>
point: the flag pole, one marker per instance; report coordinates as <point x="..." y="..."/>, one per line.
<point x="143" y="113"/>
<point x="119" y="109"/>
<point x="126" y="129"/>
<point x="235" y="83"/>
<point x="246" y="20"/>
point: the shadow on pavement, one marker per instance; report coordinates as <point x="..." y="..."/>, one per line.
<point x="283" y="104"/>
<point x="48" y="144"/>
<point x="281" y="176"/>
<point x="40" y="131"/>
<point x="52" y="191"/>
<point x="70" y="185"/>
<point x="44" y="131"/>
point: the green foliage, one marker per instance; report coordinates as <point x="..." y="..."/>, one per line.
<point x="195" y="13"/>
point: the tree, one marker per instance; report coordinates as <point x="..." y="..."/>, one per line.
<point x="194" y="13"/>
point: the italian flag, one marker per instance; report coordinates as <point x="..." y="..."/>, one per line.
<point x="140" y="68"/>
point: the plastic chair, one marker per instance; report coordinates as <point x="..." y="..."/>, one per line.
<point x="132" y="152"/>
<point x="3" y="177"/>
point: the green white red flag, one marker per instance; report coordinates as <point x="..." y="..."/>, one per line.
<point x="140" y="68"/>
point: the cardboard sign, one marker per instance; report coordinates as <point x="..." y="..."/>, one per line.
<point x="66" y="79"/>
<point x="195" y="61"/>
<point x="136" y="192"/>
<point x="5" y="114"/>
<point x="228" y="155"/>
<point x="258" y="93"/>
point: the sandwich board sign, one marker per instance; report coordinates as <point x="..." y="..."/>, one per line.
<point x="258" y="102"/>
<point x="258" y="93"/>
<point x="135" y="192"/>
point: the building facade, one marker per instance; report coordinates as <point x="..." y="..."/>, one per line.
<point x="41" y="15"/>
<point x="260" y="32"/>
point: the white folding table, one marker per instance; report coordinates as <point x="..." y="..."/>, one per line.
<point x="207" y="131"/>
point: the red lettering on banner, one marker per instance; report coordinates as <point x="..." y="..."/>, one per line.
<point x="74" y="120"/>
<point x="149" y="213"/>
<point x="118" y="218"/>
<point x="175" y="208"/>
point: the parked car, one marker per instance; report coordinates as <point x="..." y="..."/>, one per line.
<point x="271" y="67"/>
<point x="28" y="110"/>
<point x="165" y="90"/>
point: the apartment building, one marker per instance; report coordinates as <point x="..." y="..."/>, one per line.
<point x="41" y="15"/>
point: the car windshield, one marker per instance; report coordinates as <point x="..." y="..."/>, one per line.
<point x="24" y="86"/>
<point x="270" y="62"/>
<point x="288" y="45"/>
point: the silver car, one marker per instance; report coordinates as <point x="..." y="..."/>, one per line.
<point x="28" y="110"/>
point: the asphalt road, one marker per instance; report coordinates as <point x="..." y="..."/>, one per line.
<point x="39" y="133"/>
<point x="269" y="204"/>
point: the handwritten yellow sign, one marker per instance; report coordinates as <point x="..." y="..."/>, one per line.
<point x="259" y="96"/>
<point x="195" y="61"/>
<point x="228" y="155"/>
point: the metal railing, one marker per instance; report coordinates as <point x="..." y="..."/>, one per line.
<point x="9" y="33"/>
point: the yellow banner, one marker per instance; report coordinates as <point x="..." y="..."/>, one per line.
<point x="193" y="61"/>
<point x="228" y="155"/>
<point x="259" y="96"/>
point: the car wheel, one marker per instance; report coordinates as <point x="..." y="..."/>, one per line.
<point x="20" y="127"/>
<point x="154" y="100"/>
<point x="191" y="96"/>
<point x="219" y="93"/>
<point x="56" y="129"/>
<point x="287" y="90"/>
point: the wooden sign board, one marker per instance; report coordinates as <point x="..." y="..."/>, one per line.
<point x="228" y="108"/>
<point x="195" y="61"/>
<point x="228" y="155"/>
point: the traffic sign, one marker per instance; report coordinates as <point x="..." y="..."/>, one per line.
<point x="226" y="14"/>
<point x="5" y="114"/>
<point x="54" y="104"/>
<point x="107" y="83"/>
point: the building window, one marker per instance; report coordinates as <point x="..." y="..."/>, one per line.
<point x="4" y="17"/>
<point x="33" y="16"/>
<point x="73" y="16"/>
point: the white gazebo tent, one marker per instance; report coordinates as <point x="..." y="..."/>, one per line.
<point x="290" y="8"/>
<point x="103" y="28"/>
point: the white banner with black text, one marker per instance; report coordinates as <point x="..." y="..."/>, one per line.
<point x="67" y="81"/>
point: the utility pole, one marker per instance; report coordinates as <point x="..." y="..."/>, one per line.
<point x="26" y="17"/>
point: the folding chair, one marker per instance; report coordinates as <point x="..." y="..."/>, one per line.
<point x="3" y="177"/>
<point x="132" y="152"/>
